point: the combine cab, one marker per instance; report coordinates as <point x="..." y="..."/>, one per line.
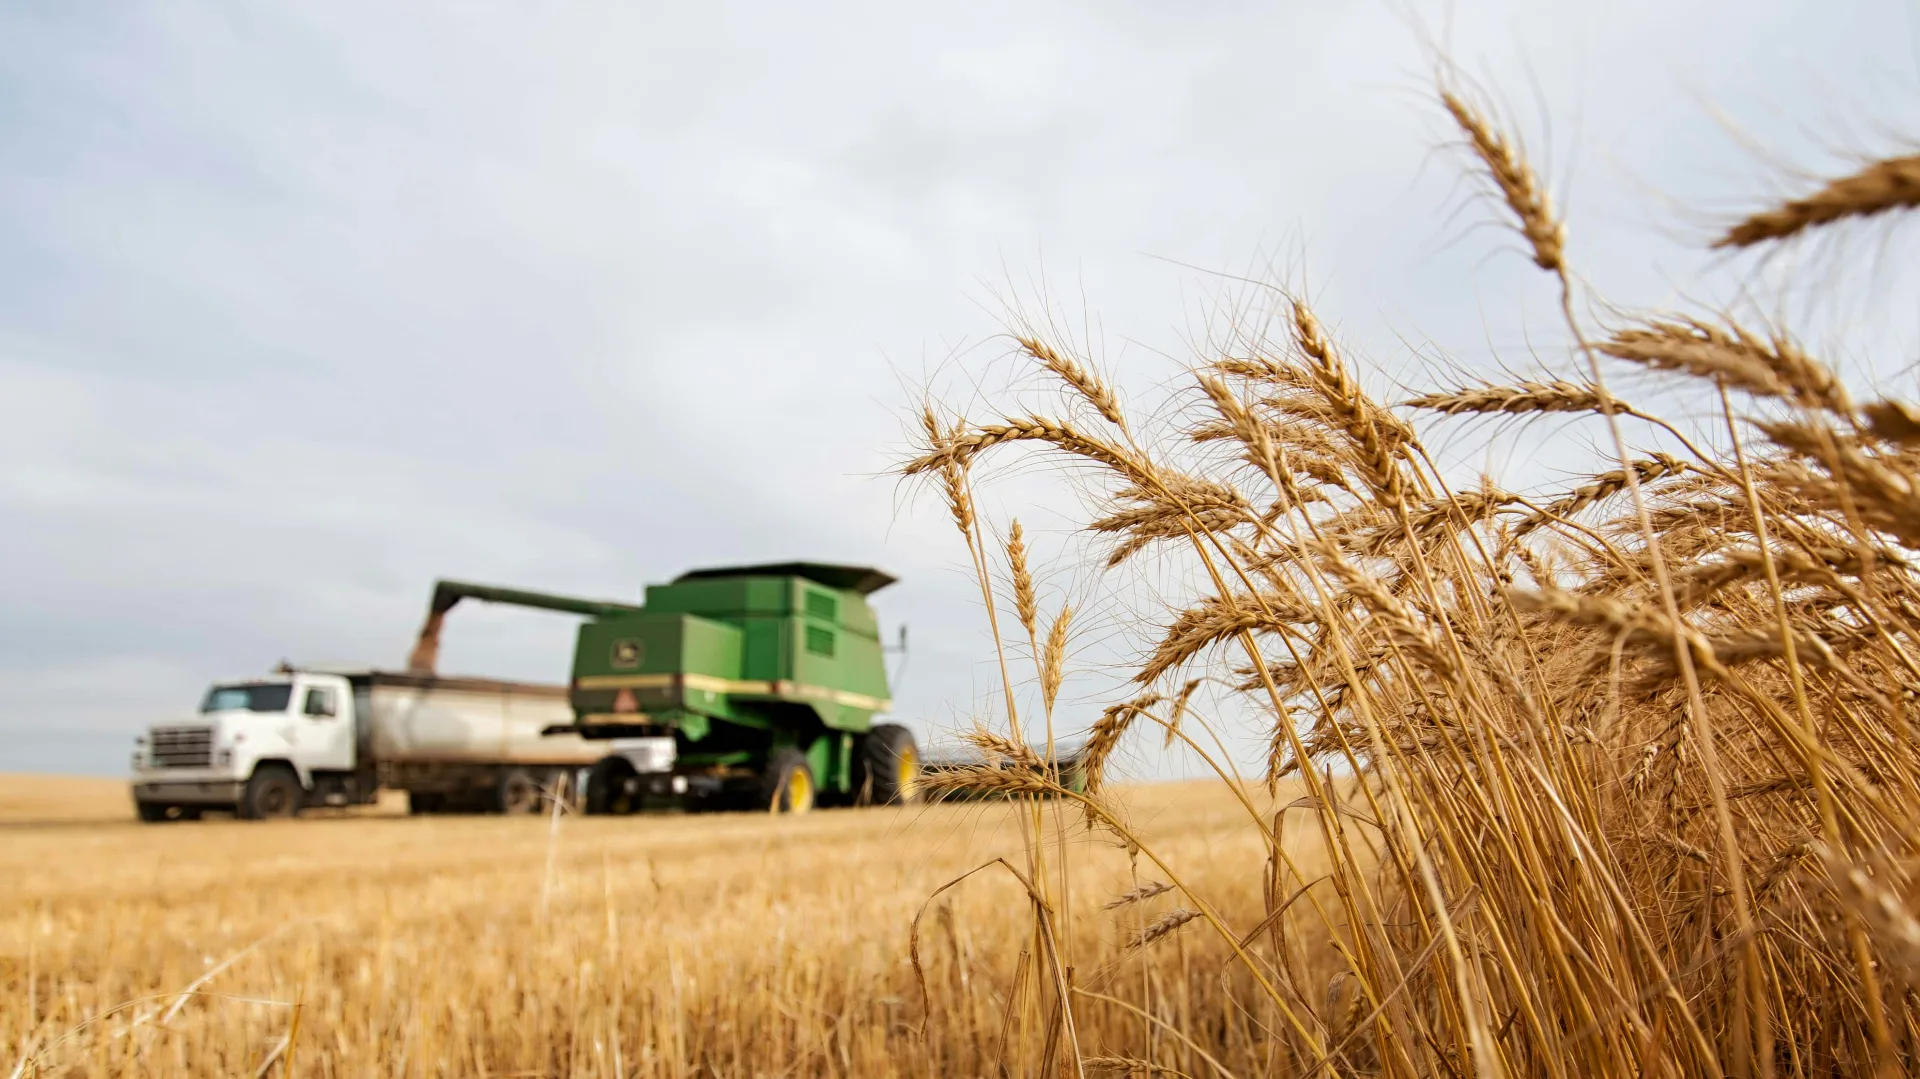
<point x="748" y="686"/>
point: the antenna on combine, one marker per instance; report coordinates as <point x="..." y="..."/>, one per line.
<point x="900" y="650"/>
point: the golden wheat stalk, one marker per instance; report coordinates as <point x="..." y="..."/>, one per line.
<point x="1130" y="1065"/>
<point x="1264" y="369"/>
<point x="999" y="747"/>
<point x="1895" y="421"/>
<point x="940" y="457"/>
<point x="1888" y="915"/>
<point x="984" y="779"/>
<point x="1734" y="355"/>
<point x="1162" y="926"/>
<point x="1053" y="661"/>
<point x="1890" y="184"/>
<point x="1025" y="604"/>
<point x="966" y="444"/>
<point x="1137" y="895"/>
<point x="1556" y="395"/>
<point x="1105" y="737"/>
<point x="1602" y="487"/>
<point x="1074" y="374"/>
<point x="1514" y="178"/>
<point x="1376" y="435"/>
<point x="1374" y="537"/>
<point x="1214" y="620"/>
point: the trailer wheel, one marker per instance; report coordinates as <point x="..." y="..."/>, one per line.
<point x="609" y="786"/>
<point x="787" y="785"/>
<point x="273" y="791"/>
<point x="516" y="793"/>
<point x="892" y="765"/>
<point x="420" y="803"/>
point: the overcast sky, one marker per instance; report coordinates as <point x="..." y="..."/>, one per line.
<point x="304" y="305"/>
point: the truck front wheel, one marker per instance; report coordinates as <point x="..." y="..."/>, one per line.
<point x="273" y="792"/>
<point x="787" y="785"/>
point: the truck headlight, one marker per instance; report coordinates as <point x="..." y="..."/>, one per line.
<point x="139" y="759"/>
<point x="224" y="758"/>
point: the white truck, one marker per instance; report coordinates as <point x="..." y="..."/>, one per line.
<point x="267" y="747"/>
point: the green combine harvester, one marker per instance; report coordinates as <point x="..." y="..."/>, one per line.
<point x="738" y="687"/>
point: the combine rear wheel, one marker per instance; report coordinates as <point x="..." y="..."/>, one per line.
<point x="787" y="786"/>
<point x="892" y="765"/>
<point x="610" y="786"/>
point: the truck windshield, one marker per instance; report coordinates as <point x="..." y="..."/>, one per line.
<point x="259" y="698"/>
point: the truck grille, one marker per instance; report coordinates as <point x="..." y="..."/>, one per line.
<point x="182" y="747"/>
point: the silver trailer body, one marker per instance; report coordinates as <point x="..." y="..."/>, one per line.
<point x="417" y="719"/>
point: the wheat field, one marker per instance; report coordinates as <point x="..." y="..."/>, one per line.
<point x="735" y="944"/>
<point x="1617" y="776"/>
<point x="1638" y="785"/>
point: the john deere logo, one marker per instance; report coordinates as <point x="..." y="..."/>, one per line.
<point x="627" y="654"/>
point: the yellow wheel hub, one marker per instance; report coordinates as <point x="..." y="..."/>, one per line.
<point x="799" y="791"/>
<point x="906" y="774"/>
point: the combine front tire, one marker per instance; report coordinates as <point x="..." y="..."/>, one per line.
<point x="274" y="791"/>
<point x="892" y="765"/>
<point x="787" y="785"/>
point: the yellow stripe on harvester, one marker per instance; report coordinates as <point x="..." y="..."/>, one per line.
<point x="712" y="684"/>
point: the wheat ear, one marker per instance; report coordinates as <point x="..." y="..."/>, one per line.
<point x="1892" y="184"/>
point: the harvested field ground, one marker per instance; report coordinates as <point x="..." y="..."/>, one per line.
<point x="51" y="799"/>
<point x="675" y="946"/>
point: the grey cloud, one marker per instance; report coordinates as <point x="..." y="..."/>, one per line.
<point x="304" y="305"/>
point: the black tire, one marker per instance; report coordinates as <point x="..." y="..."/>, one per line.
<point x="787" y="785"/>
<point x="608" y="784"/>
<point x="421" y="803"/>
<point x="154" y="812"/>
<point x="516" y="793"/>
<point x="890" y="765"/>
<point x="272" y="793"/>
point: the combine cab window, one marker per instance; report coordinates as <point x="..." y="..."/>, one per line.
<point x="260" y="698"/>
<point x="819" y="641"/>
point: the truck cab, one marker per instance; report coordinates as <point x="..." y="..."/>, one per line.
<point x="261" y="747"/>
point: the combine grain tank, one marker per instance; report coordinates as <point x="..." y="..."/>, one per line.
<point x="764" y="680"/>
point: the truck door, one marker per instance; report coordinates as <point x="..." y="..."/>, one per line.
<point x="326" y="727"/>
